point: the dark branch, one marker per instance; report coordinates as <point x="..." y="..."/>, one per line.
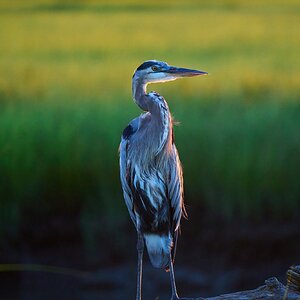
<point x="272" y="289"/>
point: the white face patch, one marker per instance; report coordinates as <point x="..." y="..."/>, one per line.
<point x="159" y="77"/>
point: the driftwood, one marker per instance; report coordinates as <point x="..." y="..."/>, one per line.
<point x="272" y="289"/>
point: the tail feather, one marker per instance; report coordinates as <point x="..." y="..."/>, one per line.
<point x="159" y="249"/>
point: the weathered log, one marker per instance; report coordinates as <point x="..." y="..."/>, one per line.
<point x="272" y="289"/>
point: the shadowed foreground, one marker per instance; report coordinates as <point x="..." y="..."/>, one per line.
<point x="272" y="289"/>
<point x="218" y="260"/>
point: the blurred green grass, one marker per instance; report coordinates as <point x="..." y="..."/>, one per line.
<point x="65" y="96"/>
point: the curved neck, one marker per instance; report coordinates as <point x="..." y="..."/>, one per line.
<point x="161" y="120"/>
<point x="146" y="103"/>
<point x="139" y="93"/>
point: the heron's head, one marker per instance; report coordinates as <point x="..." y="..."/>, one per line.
<point x="158" y="71"/>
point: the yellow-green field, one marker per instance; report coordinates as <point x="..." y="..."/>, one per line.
<point x="90" y="48"/>
<point x="65" y="95"/>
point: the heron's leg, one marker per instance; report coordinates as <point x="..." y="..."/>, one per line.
<point x="140" y="250"/>
<point x="172" y="278"/>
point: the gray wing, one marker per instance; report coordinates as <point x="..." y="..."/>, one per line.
<point x="175" y="189"/>
<point x="125" y="167"/>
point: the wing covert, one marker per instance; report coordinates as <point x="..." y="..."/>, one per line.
<point x="125" y="169"/>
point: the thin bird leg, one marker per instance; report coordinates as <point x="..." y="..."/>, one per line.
<point x="140" y="250"/>
<point x="172" y="278"/>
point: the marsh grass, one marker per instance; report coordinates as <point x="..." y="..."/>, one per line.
<point x="65" y="72"/>
<point x="238" y="158"/>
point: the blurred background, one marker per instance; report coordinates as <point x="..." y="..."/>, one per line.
<point x="65" y="97"/>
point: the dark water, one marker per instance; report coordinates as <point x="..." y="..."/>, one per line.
<point x="212" y="258"/>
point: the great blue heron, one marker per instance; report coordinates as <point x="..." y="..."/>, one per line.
<point x="150" y="170"/>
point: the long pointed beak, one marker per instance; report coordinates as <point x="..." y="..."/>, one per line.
<point x="183" y="72"/>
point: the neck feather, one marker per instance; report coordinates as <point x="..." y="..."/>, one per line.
<point x="160" y="127"/>
<point x="139" y="93"/>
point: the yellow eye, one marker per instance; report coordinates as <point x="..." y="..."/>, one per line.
<point x="154" y="68"/>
